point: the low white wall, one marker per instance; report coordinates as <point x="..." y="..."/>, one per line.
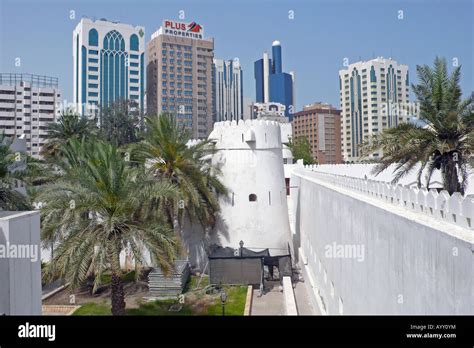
<point x="289" y="295"/>
<point x="367" y="253"/>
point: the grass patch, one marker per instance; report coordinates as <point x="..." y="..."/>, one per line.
<point x="235" y="304"/>
<point x="93" y="309"/>
<point x="193" y="282"/>
<point x="158" y="308"/>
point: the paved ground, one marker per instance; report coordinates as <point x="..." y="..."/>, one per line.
<point x="303" y="303"/>
<point x="271" y="302"/>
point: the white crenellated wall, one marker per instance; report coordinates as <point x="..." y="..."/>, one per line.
<point x="368" y="247"/>
<point x="286" y="134"/>
<point x="454" y="209"/>
<point x="250" y="157"/>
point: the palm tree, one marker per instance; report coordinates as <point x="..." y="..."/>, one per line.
<point x="119" y="122"/>
<point x="10" y="198"/>
<point x="165" y="149"/>
<point x="446" y="142"/>
<point x="69" y="125"/>
<point x="102" y="206"/>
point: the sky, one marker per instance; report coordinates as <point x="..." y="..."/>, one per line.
<point x="316" y="36"/>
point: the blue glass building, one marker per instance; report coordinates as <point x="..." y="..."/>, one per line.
<point x="271" y="83"/>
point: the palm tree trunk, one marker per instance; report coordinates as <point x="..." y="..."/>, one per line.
<point x="450" y="176"/>
<point x="118" y="295"/>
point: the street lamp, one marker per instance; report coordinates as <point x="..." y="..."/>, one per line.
<point x="223" y="299"/>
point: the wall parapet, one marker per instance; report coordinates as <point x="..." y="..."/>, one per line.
<point x="454" y="209"/>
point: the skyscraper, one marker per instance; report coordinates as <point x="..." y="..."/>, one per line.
<point x="374" y="95"/>
<point x="228" y="90"/>
<point x="28" y="103"/>
<point x="179" y="75"/>
<point x="109" y="63"/>
<point x="271" y="83"/>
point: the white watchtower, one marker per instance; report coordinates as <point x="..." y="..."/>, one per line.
<point x="255" y="211"/>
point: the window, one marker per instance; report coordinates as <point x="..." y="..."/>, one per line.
<point x="134" y="42"/>
<point x="93" y="38"/>
<point x="252" y="197"/>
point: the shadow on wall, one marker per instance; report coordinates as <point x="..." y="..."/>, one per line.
<point x="198" y="242"/>
<point x="296" y="237"/>
<point x="297" y="234"/>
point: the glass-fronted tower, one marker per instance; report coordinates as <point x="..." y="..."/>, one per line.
<point x="228" y="90"/>
<point x="109" y="63"/>
<point x="271" y="83"/>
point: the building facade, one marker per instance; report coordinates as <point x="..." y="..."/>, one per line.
<point x="268" y="109"/>
<point x="28" y="103"/>
<point x="228" y="90"/>
<point x="271" y="83"/>
<point x="109" y="64"/>
<point x="321" y="125"/>
<point x="179" y="75"/>
<point x="374" y="95"/>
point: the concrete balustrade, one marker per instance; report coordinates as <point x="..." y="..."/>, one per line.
<point x="454" y="209"/>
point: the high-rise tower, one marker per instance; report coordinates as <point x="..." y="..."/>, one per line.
<point x="271" y="83"/>
<point x="179" y="75"/>
<point x="228" y="90"/>
<point x="28" y="104"/>
<point x="109" y="63"/>
<point x="374" y="95"/>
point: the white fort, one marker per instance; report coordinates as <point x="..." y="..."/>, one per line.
<point x="249" y="154"/>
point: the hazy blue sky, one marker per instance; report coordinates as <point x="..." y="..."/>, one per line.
<point x="314" y="43"/>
